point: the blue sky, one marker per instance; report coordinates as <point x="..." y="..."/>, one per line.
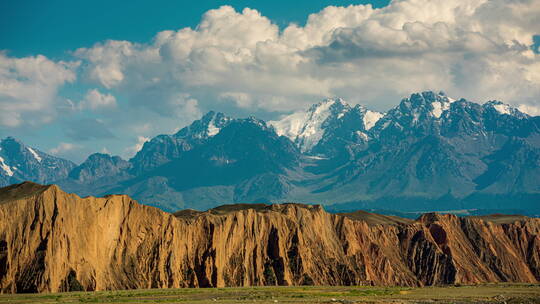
<point x="78" y="77"/>
<point x="55" y="27"/>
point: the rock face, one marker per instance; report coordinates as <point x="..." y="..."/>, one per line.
<point x="53" y="241"/>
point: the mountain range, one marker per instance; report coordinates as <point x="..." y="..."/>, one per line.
<point x="430" y="152"/>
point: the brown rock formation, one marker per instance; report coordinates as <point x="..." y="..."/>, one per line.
<point x="53" y="241"/>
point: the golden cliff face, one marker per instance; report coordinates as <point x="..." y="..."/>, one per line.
<point x="53" y="241"/>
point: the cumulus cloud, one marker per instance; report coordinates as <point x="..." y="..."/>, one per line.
<point x="94" y="100"/>
<point x="63" y="148"/>
<point x="107" y="60"/>
<point x="242" y="100"/>
<point x="477" y="49"/>
<point x="132" y="150"/>
<point x="530" y="109"/>
<point x="28" y="88"/>
<point x="71" y="151"/>
<point x="185" y="106"/>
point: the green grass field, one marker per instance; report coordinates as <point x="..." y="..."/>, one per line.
<point x="492" y="293"/>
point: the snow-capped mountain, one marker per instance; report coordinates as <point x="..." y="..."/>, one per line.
<point x="428" y="113"/>
<point x="431" y="145"/>
<point x="430" y="152"/>
<point x="327" y="126"/>
<point x="306" y="128"/>
<point x="19" y="162"/>
<point x="164" y="148"/>
<point x="245" y="161"/>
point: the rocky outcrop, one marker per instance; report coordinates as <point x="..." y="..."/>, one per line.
<point x="53" y="241"/>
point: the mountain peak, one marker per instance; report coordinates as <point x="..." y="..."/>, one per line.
<point x="98" y="166"/>
<point x="332" y="117"/>
<point x="306" y="128"/>
<point x="11" y="139"/>
<point x="100" y="156"/>
<point x="11" y="143"/>
<point x="13" y="147"/>
<point x="334" y="105"/>
<point x="209" y="125"/>
<point x="426" y="98"/>
<point x="503" y="108"/>
<point x="19" y="162"/>
<point x="427" y="103"/>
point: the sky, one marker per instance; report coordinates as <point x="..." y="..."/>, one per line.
<point x="78" y="77"/>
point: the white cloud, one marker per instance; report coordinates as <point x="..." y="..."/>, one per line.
<point x="63" y="148"/>
<point x="132" y="150"/>
<point x="28" y="88"/>
<point x="142" y="128"/>
<point x="242" y="100"/>
<point x="107" y="59"/>
<point x="476" y="49"/>
<point x="185" y="107"/>
<point x="97" y="100"/>
<point x="530" y="109"/>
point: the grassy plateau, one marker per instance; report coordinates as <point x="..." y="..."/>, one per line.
<point x="489" y="293"/>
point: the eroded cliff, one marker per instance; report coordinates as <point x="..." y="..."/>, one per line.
<point x="53" y="241"/>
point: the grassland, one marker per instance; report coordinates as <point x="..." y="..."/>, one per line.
<point x="492" y="293"/>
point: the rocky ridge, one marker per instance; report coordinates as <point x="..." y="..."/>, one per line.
<point x="19" y="162"/>
<point x="53" y="241"/>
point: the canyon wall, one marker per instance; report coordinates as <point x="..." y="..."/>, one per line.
<point x="54" y="241"/>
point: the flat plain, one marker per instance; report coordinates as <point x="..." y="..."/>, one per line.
<point x="488" y="293"/>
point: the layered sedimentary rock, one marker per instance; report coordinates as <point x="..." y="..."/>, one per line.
<point x="53" y="241"/>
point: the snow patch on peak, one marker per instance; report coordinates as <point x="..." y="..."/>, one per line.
<point x="371" y="118"/>
<point x="306" y="128"/>
<point x="502" y="108"/>
<point x="441" y="105"/>
<point x="326" y="105"/>
<point x="290" y="125"/>
<point x="5" y="167"/>
<point x="332" y="101"/>
<point x="437" y="109"/>
<point x="311" y="131"/>
<point x="212" y="129"/>
<point x="34" y="153"/>
<point x="362" y="135"/>
<point x="316" y="157"/>
<point x="506" y="109"/>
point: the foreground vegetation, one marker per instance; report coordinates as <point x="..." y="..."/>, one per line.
<point x="490" y="293"/>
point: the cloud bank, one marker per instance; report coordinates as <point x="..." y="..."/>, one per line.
<point x="476" y="49"/>
<point x="28" y="88"/>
